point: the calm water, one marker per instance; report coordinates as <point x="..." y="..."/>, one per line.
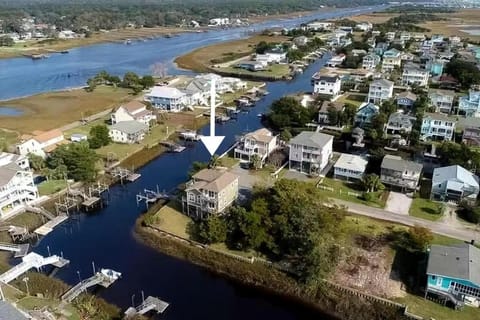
<point x="107" y="236"/>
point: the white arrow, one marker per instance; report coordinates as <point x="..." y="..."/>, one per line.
<point x="212" y="142"/>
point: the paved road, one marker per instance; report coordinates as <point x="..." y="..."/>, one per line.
<point x="455" y="231"/>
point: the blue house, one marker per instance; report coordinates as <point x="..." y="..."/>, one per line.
<point x="470" y="104"/>
<point x="435" y="67"/>
<point x="454" y="274"/>
<point x="365" y="114"/>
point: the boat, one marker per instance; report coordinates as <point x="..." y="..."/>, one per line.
<point x="112" y="274"/>
<point x="128" y="41"/>
<point x="190" y="135"/>
<point x="260" y="115"/>
<point x="64" y="51"/>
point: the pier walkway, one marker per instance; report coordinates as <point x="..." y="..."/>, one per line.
<point x="47" y="214"/>
<point x="150" y="304"/>
<point x="105" y="278"/>
<point x="48" y="227"/>
<point x="19" y="250"/>
<point x="32" y="260"/>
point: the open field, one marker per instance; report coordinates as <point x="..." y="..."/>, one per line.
<point x="51" y="110"/>
<point x="274" y="70"/>
<point x="456" y="22"/>
<point x="201" y="59"/>
<point x="379" y="17"/>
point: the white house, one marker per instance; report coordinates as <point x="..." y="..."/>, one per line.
<point x="260" y="142"/>
<point x="40" y="143"/>
<point x="391" y="58"/>
<point x="437" y="126"/>
<point x="380" y="90"/>
<point x="349" y="166"/>
<point x="320" y="25"/>
<point x="16" y="183"/>
<point x="271" y="57"/>
<point x="336" y="60"/>
<point x="415" y="75"/>
<point x="219" y="21"/>
<point x="398" y="122"/>
<point x="167" y="98"/>
<point x="326" y="85"/>
<point x="454" y="183"/>
<point x="310" y="152"/>
<point x="67" y="34"/>
<point x="198" y="91"/>
<point x="442" y="100"/>
<point x="128" y="132"/>
<point x="371" y="61"/>
<point x="133" y="110"/>
<point x="390" y="35"/>
<point x="364" y="26"/>
<point x="400" y="173"/>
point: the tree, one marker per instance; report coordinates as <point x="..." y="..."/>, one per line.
<point x="372" y="183"/>
<point x="378" y="124"/>
<point x="196" y="167"/>
<point x="388" y="107"/>
<point x="466" y="72"/>
<point x="420" y="238"/>
<point x="6" y="41"/>
<point x="130" y="80"/>
<point x="348" y="114"/>
<point x="213" y="230"/>
<point x="215" y="161"/>
<point x="256" y="161"/>
<point x="285" y="135"/>
<point x="287" y="112"/>
<point x="79" y="160"/>
<point x="91" y="85"/>
<point x="99" y="136"/>
<point x="37" y="163"/>
<point x="159" y="70"/>
<point x="147" y="82"/>
<point x="263" y="46"/>
<point x="333" y="116"/>
<point x="245" y="229"/>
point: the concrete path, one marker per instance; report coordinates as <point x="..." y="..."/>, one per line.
<point x="398" y="203"/>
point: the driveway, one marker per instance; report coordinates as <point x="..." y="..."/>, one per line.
<point x="398" y="203"/>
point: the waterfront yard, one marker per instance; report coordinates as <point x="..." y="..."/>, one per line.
<point x="51" y="186"/>
<point x="274" y="71"/>
<point x="51" y="110"/>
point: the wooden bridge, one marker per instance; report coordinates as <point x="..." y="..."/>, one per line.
<point x="105" y="278"/>
<point x="149" y="304"/>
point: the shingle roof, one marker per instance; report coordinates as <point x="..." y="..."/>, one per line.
<point x="442" y="92"/>
<point x="456" y="173"/>
<point x="7" y="172"/>
<point x="166" y="92"/>
<point x="312" y="139"/>
<point x="398" y="164"/>
<point x="408" y="95"/>
<point x="129" y="127"/>
<point x="398" y="118"/>
<point x="262" y="135"/>
<point x="213" y="180"/>
<point x="48" y="135"/>
<point x="352" y="162"/>
<point x="459" y="262"/>
<point x="382" y="83"/>
<point x="133" y="106"/>
<point x="9" y="312"/>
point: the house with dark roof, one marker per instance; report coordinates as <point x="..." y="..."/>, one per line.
<point x="454" y="183"/>
<point x="365" y="114"/>
<point x="261" y="143"/>
<point x="398" y="122"/>
<point x="310" y="152"/>
<point x="324" y="110"/>
<point x="406" y="99"/>
<point x="209" y="192"/>
<point x="399" y="173"/>
<point x="328" y="85"/>
<point x="471" y="136"/>
<point x="453" y="273"/>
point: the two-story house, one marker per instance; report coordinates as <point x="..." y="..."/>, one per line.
<point x="437" y="126"/>
<point x="209" y="192"/>
<point x="260" y="142"/>
<point x="336" y="60"/>
<point x="453" y="273"/>
<point x="371" y="61"/>
<point x="40" y="143"/>
<point x="406" y="99"/>
<point x="198" y="91"/>
<point x="398" y="123"/>
<point x="441" y="99"/>
<point x="133" y="110"/>
<point x="471" y="136"/>
<point x="128" y="132"/>
<point x="167" y="98"/>
<point x="470" y="104"/>
<point x="16" y="183"/>
<point x="454" y="183"/>
<point x="310" y="152"/>
<point x="325" y="108"/>
<point x="349" y="167"/>
<point x="391" y="58"/>
<point x="380" y="90"/>
<point x="414" y="75"/>
<point x="328" y="85"/>
<point x="365" y="114"/>
<point x="399" y="173"/>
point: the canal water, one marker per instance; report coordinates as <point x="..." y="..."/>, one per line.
<point x="107" y="237"/>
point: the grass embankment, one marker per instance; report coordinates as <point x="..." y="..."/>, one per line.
<point x="51" y="110"/>
<point x="202" y="59"/>
<point x="51" y="187"/>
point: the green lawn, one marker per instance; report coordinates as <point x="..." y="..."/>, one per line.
<point x="355" y="99"/>
<point x="228" y="161"/>
<point x="170" y="219"/>
<point x="349" y="191"/>
<point x="8" y="138"/>
<point x="432" y="310"/>
<point x="85" y="129"/>
<point x="34" y="303"/>
<point x="274" y="70"/>
<point x="426" y="209"/>
<point x="51" y="187"/>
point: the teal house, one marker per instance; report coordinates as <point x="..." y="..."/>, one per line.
<point x="453" y="274"/>
<point x="436" y="67"/>
<point x="365" y="114"/>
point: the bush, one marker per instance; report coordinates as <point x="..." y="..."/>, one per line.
<point x="368" y="196"/>
<point x="469" y="213"/>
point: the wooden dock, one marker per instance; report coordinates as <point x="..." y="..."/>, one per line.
<point x="133" y="177"/>
<point x="149" y="304"/>
<point x="48" y="227"/>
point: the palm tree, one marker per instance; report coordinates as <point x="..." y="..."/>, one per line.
<point x="256" y="161"/>
<point x="372" y="183"/>
<point x="214" y="161"/>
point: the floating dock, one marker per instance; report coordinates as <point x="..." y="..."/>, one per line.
<point x="150" y="304"/>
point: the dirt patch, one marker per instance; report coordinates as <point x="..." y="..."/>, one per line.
<point x="374" y="17"/>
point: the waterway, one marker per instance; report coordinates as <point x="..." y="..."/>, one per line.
<point x="107" y="237"/>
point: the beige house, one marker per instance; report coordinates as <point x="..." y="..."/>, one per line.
<point x="133" y="110"/>
<point x="40" y="143"/>
<point x="210" y="191"/>
<point x="260" y="142"/>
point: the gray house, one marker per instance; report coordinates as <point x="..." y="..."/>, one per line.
<point x="399" y="122"/>
<point x="310" y="152"/>
<point x="400" y="173"/>
<point x="454" y="183"/>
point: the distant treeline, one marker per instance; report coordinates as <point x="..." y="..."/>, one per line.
<point x="111" y="14"/>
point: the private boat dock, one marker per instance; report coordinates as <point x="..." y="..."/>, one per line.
<point x="151" y="196"/>
<point x="149" y="304"/>
<point x="172" y="147"/>
<point x="104" y="278"/>
<point x="123" y="174"/>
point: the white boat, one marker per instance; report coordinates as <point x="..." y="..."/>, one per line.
<point x="190" y="135"/>
<point x="260" y="115"/>
<point x="112" y="274"/>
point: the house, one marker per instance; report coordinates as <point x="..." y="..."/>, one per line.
<point x="454" y="183"/>
<point x="390" y="35"/>
<point x="347" y="29"/>
<point x="453" y="273"/>
<point x="67" y="34"/>
<point x="198" y="91"/>
<point x="272" y="56"/>
<point x="442" y="100"/>
<point x="300" y="41"/>
<point x="427" y="45"/>
<point x="252" y="65"/>
<point x="260" y="142"/>
<point x="329" y="85"/>
<point x="435" y="67"/>
<point x="128" y="132"/>
<point x="371" y="61"/>
<point x="414" y="75"/>
<point x="437" y="127"/>
<point x="455" y="41"/>
<point x="380" y="90"/>
<point x="16" y="183"/>
<point x="406" y="99"/>
<point x="167" y="98"/>
<point x="336" y="60"/>
<point x="471" y="136"/>
<point x="219" y="21"/>
<point x="209" y="192"/>
<point x="391" y="58"/>
<point x="364" y="26"/>
<point x="405" y="36"/>
<point x="320" y="25"/>
<point x="133" y="110"/>
<point x="380" y="48"/>
<point x="324" y="110"/>
<point x="349" y="167"/>
<point x="358" y="52"/>
<point x="418" y="36"/>
<point x="398" y="123"/>
<point x="399" y="173"/>
<point x="470" y="104"/>
<point x="365" y="114"/>
<point x="310" y="152"/>
<point x="40" y="143"/>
